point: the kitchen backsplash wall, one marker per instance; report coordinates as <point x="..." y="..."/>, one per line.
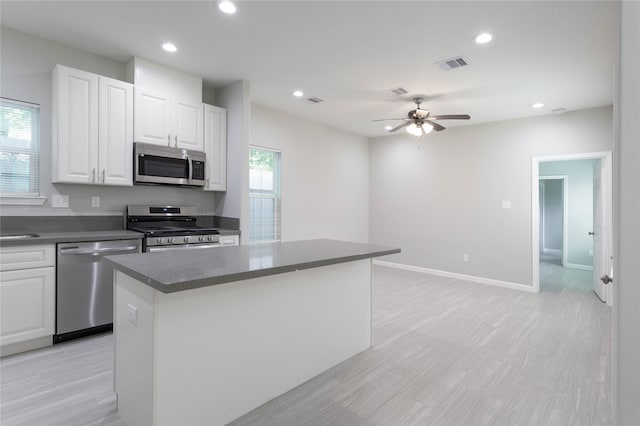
<point x="26" y="67"/>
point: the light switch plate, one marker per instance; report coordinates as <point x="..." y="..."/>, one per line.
<point x="59" y="201"/>
<point x="95" y="201"/>
<point x="506" y="204"/>
<point x="133" y="314"/>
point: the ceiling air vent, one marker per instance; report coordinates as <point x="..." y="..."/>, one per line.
<point x="453" y="63"/>
<point x="398" y="91"/>
<point x="314" y="100"/>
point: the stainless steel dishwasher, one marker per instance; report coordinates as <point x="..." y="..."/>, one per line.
<point x="84" y="294"/>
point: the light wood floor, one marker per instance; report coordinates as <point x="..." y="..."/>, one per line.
<point x="446" y="352"/>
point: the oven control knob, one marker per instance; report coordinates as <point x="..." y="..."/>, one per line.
<point x="160" y="241"/>
<point x="209" y="237"/>
<point x="170" y="240"/>
<point x="201" y="238"/>
<point x="186" y="239"/>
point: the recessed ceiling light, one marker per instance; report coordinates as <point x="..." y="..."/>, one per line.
<point x="388" y="127"/>
<point x="483" y="38"/>
<point x="537" y="105"/>
<point x="169" y="47"/>
<point x="227" y="7"/>
<point x="298" y="94"/>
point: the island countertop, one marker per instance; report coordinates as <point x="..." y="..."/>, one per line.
<point x="181" y="270"/>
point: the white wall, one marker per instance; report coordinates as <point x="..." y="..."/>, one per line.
<point x="25" y="74"/>
<point x="553" y="214"/>
<point x="580" y="206"/>
<point x="626" y="283"/>
<point x="439" y="196"/>
<point x="325" y="176"/>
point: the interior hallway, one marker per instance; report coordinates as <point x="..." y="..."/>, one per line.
<point x="445" y="352"/>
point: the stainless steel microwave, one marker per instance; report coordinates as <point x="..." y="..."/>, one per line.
<point x="156" y="164"/>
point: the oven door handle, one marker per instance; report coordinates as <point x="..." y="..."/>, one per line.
<point x="181" y="247"/>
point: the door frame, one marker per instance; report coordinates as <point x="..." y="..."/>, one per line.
<point x="565" y="213"/>
<point x="607" y="191"/>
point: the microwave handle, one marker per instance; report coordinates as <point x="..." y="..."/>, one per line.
<point x="190" y="165"/>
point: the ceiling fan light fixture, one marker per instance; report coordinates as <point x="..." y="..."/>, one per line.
<point x="427" y="128"/>
<point x="414" y="130"/>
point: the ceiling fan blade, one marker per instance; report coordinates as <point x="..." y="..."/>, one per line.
<point x="437" y="127"/>
<point x="388" y="119"/>
<point x="450" y="117"/>
<point x="400" y="126"/>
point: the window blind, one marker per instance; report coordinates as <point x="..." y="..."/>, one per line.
<point x="19" y="148"/>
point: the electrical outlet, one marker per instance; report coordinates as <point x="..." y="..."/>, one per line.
<point x="506" y="204"/>
<point x="465" y="257"/>
<point x="133" y="314"/>
<point x="59" y="201"/>
<point x="590" y="252"/>
<point x="95" y="201"/>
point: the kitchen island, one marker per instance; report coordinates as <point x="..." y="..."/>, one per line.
<point x="205" y="336"/>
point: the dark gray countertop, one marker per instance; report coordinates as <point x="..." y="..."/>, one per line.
<point x="72" y="237"/>
<point x="181" y="270"/>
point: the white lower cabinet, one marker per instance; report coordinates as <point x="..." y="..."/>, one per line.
<point x="27" y="298"/>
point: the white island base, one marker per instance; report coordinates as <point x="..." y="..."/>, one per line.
<point x="212" y="354"/>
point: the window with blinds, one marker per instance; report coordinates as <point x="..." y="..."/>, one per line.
<point x="264" y="195"/>
<point x="19" y="148"/>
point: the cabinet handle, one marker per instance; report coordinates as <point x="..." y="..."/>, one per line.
<point x="176" y="139"/>
<point x="169" y="139"/>
<point x="103" y="171"/>
<point x="207" y="183"/>
<point x="93" y="176"/>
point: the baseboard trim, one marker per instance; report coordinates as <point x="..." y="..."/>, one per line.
<point x="578" y="266"/>
<point x="551" y="251"/>
<point x="472" y="278"/>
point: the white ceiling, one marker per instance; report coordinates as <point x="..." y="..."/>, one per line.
<point x="351" y="53"/>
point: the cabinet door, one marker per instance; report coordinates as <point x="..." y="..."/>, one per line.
<point x="27" y="299"/>
<point x="215" y="129"/>
<point x="75" y="117"/>
<point x="115" y="159"/>
<point x="152" y="117"/>
<point x="187" y="125"/>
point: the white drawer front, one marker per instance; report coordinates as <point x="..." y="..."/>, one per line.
<point x="25" y="257"/>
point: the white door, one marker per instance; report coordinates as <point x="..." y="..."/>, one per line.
<point x="215" y="146"/>
<point x="76" y="113"/>
<point x="600" y="233"/>
<point x="187" y="126"/>
<point x="152" y="117"/>
<point x="115" y="132"/>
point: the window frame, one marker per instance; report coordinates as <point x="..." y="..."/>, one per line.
<point x="276" y="195"/>
<point x="27" y="198"/>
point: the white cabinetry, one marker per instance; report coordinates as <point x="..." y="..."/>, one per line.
<point x="27" y="297"/>
<point x="215" y="146"/>
<point x="92" y="128"/>
<point x="229" y="240"/>
<point x="163" y="119"/>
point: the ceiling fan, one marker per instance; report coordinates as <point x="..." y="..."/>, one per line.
<point x="420" y="121"/>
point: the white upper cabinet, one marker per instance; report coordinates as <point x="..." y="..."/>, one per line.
<point x="163" y="119"/>
<point x="92" y="121"/>
<point x="215" y="146"/>
<point x="168" y="105"/>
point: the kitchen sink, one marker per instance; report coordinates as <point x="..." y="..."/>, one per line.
<point x="17" y="236"/>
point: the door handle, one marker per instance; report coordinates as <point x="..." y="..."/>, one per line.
<point x="591" y="233"/>
<point x="606" y="279"/>
<point x="78" y="250"/>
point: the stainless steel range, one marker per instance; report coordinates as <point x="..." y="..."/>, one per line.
<point x="170" y="228"/>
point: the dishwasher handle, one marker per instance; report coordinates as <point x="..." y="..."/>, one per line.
<point x="96" y="252"/>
